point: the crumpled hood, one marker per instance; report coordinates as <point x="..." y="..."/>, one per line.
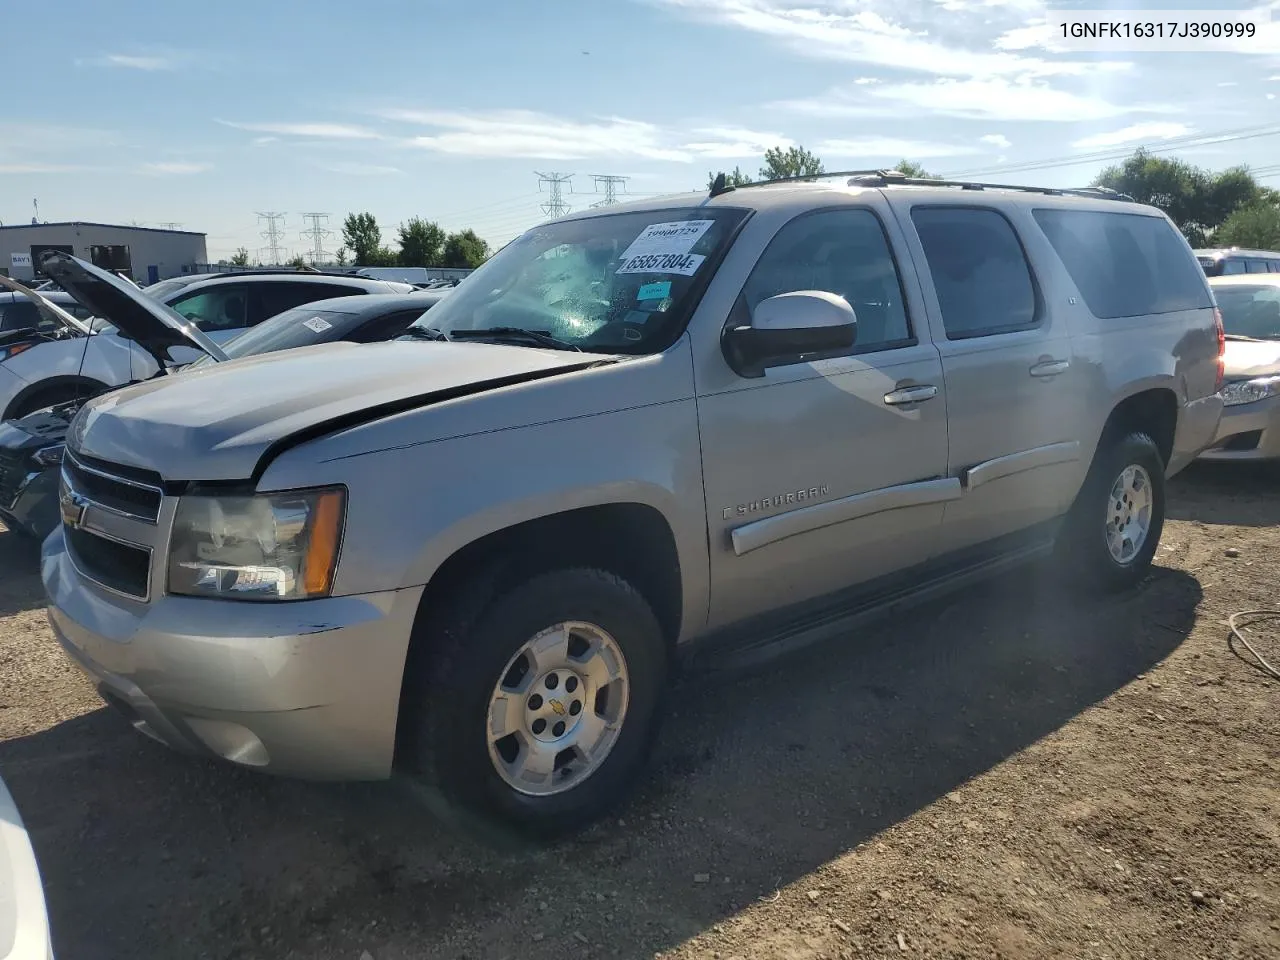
<point x="1245" y="359"/>
<point x="217" y="423"/>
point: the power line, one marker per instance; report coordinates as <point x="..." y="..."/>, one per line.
<point x="1166" y="146"/>
<point x="316" y="233"/>
<point x="610" y="184"/>
<point x="271" y="234"/>
<point x="555" y="205"/>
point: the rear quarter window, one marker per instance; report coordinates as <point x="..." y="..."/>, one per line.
<point x="1126" y="264"/>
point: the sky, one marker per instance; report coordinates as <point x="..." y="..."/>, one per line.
<point x="207" y="114"/>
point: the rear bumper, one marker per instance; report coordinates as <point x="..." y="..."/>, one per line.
<point x="308" y="689"/>
<point x="1197" y="426"/>
<point x="1250" y="431"/>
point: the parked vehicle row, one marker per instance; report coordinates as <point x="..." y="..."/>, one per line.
<point x="31" y="446"/>
<point x="727" y="422"/>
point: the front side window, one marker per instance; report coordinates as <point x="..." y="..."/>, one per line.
<point x="614" y="283"/>
<point x="21" y="315"/>
<point x="276" y="297"/>
<point x="222" y="308"/>
<point x="844" y="252"/>
<point x="1250" y="311"/>
<point x="979" y="271"/>
<point x="1125" y="264"/>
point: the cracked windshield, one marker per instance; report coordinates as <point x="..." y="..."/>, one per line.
<point x="655" y="479"/>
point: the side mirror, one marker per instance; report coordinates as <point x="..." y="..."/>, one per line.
<point x="789" y="328"/>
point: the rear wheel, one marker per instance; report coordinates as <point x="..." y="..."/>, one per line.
<point x="51" y="397"/>
<point x="1115" y="524"/>
<point x="539" y="710"/>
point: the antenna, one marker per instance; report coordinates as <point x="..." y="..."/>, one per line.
<point x="610" y="184"/>
<point x="169" y="225"/>
<point x="555" y="205"/>
<point x="316" y="234"/>
<point x="36" y="216"/>
<point x="274" y="220"/>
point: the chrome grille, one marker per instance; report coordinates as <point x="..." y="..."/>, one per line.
<point x="111" y="491"/>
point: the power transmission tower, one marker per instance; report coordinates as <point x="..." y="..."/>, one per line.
<point x="274" y="220"/>
<point x="169" y="225"/>
<point x="316" y="234"/>
<point x="555" y="205"/>
<point x="611" y="185"/>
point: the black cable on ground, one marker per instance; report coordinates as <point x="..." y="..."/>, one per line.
<point x="1237" y="631"/>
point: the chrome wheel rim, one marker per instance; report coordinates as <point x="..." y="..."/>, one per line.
<point x="1129" y="511"/>
<point x="557" y="709"/>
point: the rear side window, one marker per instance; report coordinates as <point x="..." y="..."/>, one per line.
<point x="276" y="298"/>
<point x="1255" y="266"/>
<point x="1231" y="266"/>
<point x="979" y="271"/>
<point x="1125" y="264"/>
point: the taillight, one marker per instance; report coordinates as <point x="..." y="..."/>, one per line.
<point x="1222" y="348"/>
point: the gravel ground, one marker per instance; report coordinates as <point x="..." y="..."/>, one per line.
<point x="1008" y="774"/>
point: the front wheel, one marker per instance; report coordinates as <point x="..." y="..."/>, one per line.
<point x="1115" y="525"/>
<point x="540" y="711"/>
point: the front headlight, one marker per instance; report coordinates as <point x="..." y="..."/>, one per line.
<point x="267" y="546"/>
<point x="49" y="456"/>
<point x="1250" y="391"/>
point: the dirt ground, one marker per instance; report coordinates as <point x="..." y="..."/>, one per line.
<point x="1012" y="773"/>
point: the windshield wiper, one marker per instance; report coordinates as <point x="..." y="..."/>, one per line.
<point x="426" y="333"/>
<point x="541" y="337"/>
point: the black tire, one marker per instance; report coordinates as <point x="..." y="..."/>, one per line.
<point x="469" y="647"/>
<point x="1085" y="538"/>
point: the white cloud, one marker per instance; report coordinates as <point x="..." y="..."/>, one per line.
<point x="351" y="169"/>
<point x="902" y="35"/>
<point x="133" y="61"/>
<point x="978" y="98"/>
<point x="864" y="81"/>
<point x="541" y="136"/>
<point x="890" y="147"/>
<point x="314" y="131"/>
<point x="17" y="168"/>
<point x="1228" y="83"/>
<point x="998" y="140"/>
<point x="1137" y="133"/>
<point x="175" y="168"/>
<point x="262" y="141"/>
<point x="1271" y="96"/>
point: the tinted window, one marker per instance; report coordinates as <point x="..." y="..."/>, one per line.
<point x="1212" y="267"/>
<point x="979" y="271"/>
<point x="844" y="252"/>
<point x="299" y="327"/>
<point x="1125" y="264"/>
<point x="387" y="326"/>
<point x="20" y="315"/>
<point x="1252" y="311"/>
<point x="1273" y="266"/>
<point x="1232" y="266"/>
<point x="276" y="298"/>
<point x="1255" y="266"/>
<point x="219" y="308"/>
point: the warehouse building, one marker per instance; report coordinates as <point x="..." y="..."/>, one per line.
<point x="143" y="253"/>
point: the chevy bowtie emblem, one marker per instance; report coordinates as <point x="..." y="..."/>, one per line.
<point x="73" y="507"/>
<point x="558" y="707"/>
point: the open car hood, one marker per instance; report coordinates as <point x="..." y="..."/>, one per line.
<point x="153" y="325"/>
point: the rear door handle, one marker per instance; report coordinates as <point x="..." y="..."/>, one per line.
<point x="1050" y="368"/>
<point x="905" y="395"/>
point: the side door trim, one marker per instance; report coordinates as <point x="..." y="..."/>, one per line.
<point x="760" y="533"/>
<point x="1049" y="455"/>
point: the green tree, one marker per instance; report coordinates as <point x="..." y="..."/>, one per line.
<point x="735" y="179"/>
<point x="913" y="169"/>
<point x="1197" y="200"/>
<point x="465" y="249"/>
<point x="298" y="262"/>
<point x="240" y="258"/>
<point x="360" y="232"/>
<point x="1256" y="226"/>
<point x="341" y="256"/>
<point x="421" y="243"/>
<point x="789" y="162"/>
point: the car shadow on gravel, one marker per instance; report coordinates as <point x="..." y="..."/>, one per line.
<point x="1238" y="494"/>
<point x="758" y="781"/>
<point x="20" y="587"/>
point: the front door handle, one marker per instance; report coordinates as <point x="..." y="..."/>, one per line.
<point x="1050" y="368"/>
<point x="905" y="395"/>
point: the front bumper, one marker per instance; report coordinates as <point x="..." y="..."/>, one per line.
<point x="309" y="689"/>
<point x="33" y="507"/>
<point x="1249" y="431"/>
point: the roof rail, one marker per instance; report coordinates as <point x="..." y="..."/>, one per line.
<point x="884" y="178"/>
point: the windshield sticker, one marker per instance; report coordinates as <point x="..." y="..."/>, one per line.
<point x="654" y="291"/>
<point x="318" y="324"/>
<point x="677" y="236"/>
<point x="683" y="264"/>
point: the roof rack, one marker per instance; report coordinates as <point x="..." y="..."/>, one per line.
<point x="884" y="178"/>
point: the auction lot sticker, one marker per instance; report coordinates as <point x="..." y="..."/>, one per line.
<point x="677" y="236"/>
<point x="684" y="264"/>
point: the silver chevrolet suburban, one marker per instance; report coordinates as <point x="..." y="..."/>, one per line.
<point x="745" y="419"/>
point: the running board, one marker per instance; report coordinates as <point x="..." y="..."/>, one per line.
<point x="732" y="651"/>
